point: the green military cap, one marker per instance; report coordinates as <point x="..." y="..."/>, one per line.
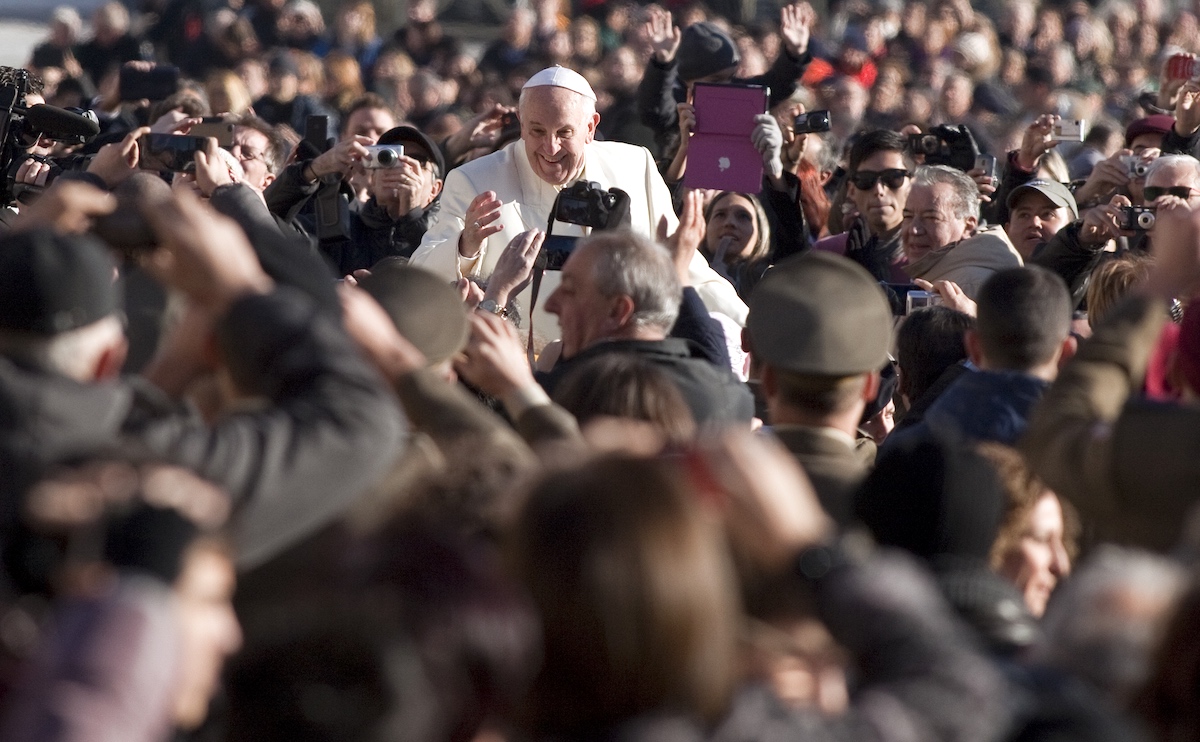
<point x="426" y="310"/>
<point x="820" y="314"/>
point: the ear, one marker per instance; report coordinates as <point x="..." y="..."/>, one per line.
<point x="972" y="224"/>
<point x="592" y="123"/>
<point x="268" y="180"/>
<point x="111" y="361"/>
<point x="1070" y="346"/>
<point x="974" y="347"/>
<point x="871" y="387"/>
<point x="621" y="311"/>
<point x="435" y="189"/>
<point x="768" y="381"/>
<point x="747" y="342"/>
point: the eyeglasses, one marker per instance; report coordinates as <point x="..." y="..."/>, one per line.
<point x="1152" y="193"/>
<point x="245" y="153"/>
<point x="893" y="178"/>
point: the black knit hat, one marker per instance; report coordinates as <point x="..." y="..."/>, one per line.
<point x="705" y="50"/>
<point x="932" y="497"/>
<point x="52" y="283"/>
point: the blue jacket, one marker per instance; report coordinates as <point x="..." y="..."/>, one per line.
<point x="986" y="406"/>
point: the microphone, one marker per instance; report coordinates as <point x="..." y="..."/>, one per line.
<point x="56" y="122"/>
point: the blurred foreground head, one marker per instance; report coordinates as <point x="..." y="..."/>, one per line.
<point x="637" y="595"/>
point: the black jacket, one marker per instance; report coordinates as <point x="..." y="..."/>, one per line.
<point x="331" y="430"/>
<point x="374" y="236"/>
<point x="712" y="394"/>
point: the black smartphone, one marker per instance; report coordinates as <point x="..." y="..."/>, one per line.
<point x="158" y="83"/>
<point x="169" y="152"/>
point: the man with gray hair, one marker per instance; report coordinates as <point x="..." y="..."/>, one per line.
<point x="621" y="293"/>
<point x="941" y="237"/>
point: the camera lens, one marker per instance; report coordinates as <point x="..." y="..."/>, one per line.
<point x="929" y="144"/>
<point x="386" y="157"/>
<point x="1139" y="169"/>
<point x="1145" y="220"/>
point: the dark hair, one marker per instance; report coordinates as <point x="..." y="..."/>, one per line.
<point x="879" y="140"/>
<point x="366" y="100"/>
<point x="1024" y="315"/>
<point x="929" y="341"/>
<point x="624" y="385"/>
<point x="1100" y="133"/>
<point x="637" y="594"/>
<point x="817" y="394"/>
<point x="406" y="630"/>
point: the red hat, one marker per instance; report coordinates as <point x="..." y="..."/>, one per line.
<point x="1159" y="123"/>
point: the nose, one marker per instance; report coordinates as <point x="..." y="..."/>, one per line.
<point x="551" y="145"/>
<point x="552" y="304"/>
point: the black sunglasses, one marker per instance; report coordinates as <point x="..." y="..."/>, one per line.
<point x="1152" y="193"/>
<point x="893" y="178"/>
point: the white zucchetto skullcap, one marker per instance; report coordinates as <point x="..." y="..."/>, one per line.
<point x="561" y="77"/>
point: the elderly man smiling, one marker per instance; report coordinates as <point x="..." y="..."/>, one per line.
<point x="941" y="238"/>
<point x="489" y="201"/>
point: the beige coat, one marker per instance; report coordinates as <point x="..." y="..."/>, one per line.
<point x="968" y="262"/>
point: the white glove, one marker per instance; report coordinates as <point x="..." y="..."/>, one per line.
<point x="768" y="140"/>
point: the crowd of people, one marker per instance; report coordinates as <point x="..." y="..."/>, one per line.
<point x="367" y="387"/>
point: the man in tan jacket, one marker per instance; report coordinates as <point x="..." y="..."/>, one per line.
<point x="941" y="236"/>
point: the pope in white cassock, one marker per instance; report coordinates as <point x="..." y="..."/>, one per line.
<point x="489" y="201"/>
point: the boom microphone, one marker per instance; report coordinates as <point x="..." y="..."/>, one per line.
<point x="56" y="122"/>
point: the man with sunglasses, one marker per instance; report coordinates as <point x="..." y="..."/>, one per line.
<point x="879" y="180"/>
<point x="1076" y="249"/>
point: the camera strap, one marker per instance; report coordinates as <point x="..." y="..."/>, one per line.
<point x="539" y="268"/>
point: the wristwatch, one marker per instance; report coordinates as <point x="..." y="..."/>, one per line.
<point x="490" y="306"/>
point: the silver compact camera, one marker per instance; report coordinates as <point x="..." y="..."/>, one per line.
<point x="1135" y="166"/>
<point x="919" y="299"/>
<point x="1069" y="131"/>
<point x="383" y="156"/>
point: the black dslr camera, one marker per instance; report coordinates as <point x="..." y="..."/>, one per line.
<point x="953" y="146"/>
<point x="587" y="204"/>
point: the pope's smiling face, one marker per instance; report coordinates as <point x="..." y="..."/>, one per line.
<point x="557" y="125"/>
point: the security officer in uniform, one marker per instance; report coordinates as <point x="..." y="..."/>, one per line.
<point x="818" y="334"/>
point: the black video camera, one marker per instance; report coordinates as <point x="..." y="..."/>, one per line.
<point x="22" y="126"/>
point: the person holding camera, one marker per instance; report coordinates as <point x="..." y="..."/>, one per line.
<point x="489" y="201"/>
<point x="403" y="203"/>
<point x="1079" y="247"/>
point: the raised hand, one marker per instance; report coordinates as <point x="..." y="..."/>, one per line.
<point x="795" y="26"/>
<point x="481" y="221"/>
<point x="663" y="34"/>
<point x="1036" y="141"/>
